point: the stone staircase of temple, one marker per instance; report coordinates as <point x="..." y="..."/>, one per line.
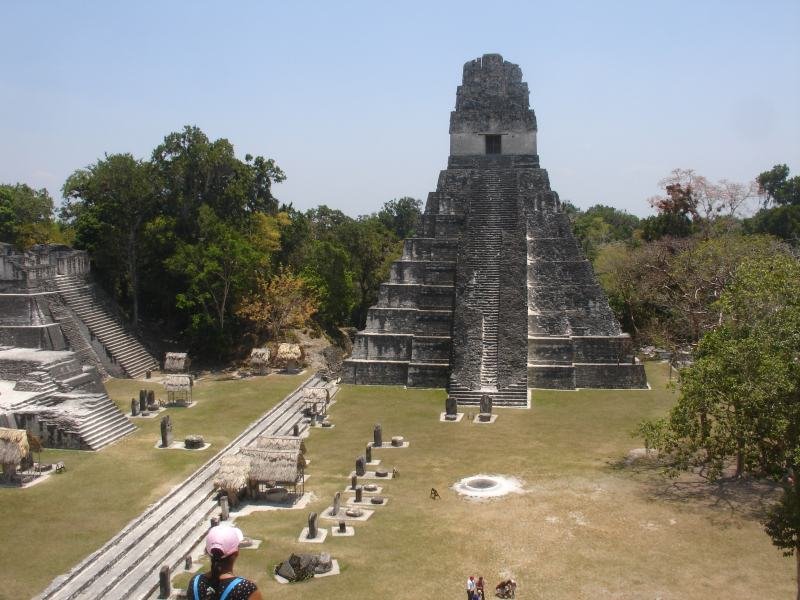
<point x="77" y="343"/>
<point x="493" y="211"/>
<point x="98" y="422"/>
<point x="515" y="395"/>
<point x="123" y="348"/>
<point x="104" y="424"/>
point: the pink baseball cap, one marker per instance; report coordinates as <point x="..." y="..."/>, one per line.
<point x="225" y="538"/>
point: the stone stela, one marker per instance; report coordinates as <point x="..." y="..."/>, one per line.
<point x="495" y="294"/>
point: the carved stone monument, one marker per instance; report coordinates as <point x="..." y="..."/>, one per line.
<point x="337" y="499"/>
<point x="361" y="466"/>
<point x="224" y="512"/>
<point x="495" y="294"/>
<point x="134" y="407"/>
<point x="451" y="407"/>
<point x="353" y="481"/>
<point x="142" y="400"/>
<point x="486" y="404"/>
<point x="164" y="584"/>
<point x="377" y="436"/>
<point x="312" y="526"/>
<point x="359" y="494"/>
<point x="368" y="453"/>
<point x="166" y="431"/>
<point x="342" y="526"/>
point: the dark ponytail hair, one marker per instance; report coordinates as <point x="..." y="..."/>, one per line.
<point x="216" y="567"/>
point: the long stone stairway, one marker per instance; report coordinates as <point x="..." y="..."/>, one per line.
<point x="492" y="213"/>
<point x="127" y="566"/>
<point x="123" y="348"/>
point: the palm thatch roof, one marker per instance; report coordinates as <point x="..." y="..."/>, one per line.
<point x="289" y="351"/>
<point x="13" y="445"/>
<point x="177" y="383"/>
<point x="316" y="393"/>
<point x="278" y="443"/>
<point x="176" y="361"/>
<point x="276" y="467"/>
<point x="233" y="472"/>
<point x="259" y="356"/>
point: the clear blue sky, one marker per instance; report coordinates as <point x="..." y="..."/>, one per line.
<point x="353" y="99"/>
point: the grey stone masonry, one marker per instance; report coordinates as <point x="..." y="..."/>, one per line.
<point x="494" y="295"/>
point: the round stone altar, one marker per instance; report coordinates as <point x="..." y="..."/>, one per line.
<point x="487" y="486"/>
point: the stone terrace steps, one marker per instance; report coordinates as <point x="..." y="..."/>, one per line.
<point x="123" y="347"/>
<point x="77" y="343"/>
<point x="492" y="211"/>
<point x="127" y="566"/>
<point x="105" y="424"/>
<point x="515" y="395"/>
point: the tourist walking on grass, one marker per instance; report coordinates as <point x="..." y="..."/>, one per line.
<point x="222" y="545"/>
<point x="479" y="588"/>
<point x="471" y="588"/>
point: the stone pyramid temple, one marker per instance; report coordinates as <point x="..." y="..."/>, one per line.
<point x="495" y="296"/>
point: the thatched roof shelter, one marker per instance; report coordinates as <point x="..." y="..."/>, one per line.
<point x="232" y="473"/>
<point x="316" y="393"/>
<point x="278" y="443"/>
<point x="179" y="389"/>
<point x="176" y="362"/>
<point x="259" y="356"/>
<point x="289" y="352"/>
<point x="176" y="383"/>
<point x="259" y="360"/>
<point x="13" y="446"/>
<point x="275" y="467"/>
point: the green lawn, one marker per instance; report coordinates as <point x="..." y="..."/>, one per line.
<point x="585" y="528"/>
<point x="48" y="528"/>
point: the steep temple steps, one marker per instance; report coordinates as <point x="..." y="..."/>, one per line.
<point x="492" y="211"/>
<point x="123" y="348"/>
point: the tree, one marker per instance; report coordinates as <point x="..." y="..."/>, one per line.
<point x="328" y="273"/>
<point x="741" y="398"/>
<point x="193" y="171"/>
<point x="783" y="522"/>
<point x="216" y="268"/>
<point x="401" y="216"/>
<point x="279" y="303"/>
<point x="372" y="248"/>
<point x="783" y="194"/>
<point x="777" y="188"/>
<point x="692" y="196"/>
<point x="26" y="216"/>
<point x="109" y="203"/>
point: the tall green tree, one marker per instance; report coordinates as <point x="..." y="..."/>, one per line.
<point x="328" y="272"/>
<point x="777" y="188"/>
<point x="741" y="398"/>
<point x="217" y="268"/>
<point x="26" y="216"/>
<point x="401" y="216"/>
<point x="109" y="203"/>
<point x="193" y="171"/>
<point x="372" y="248"/>
<point x="780" y="215"/>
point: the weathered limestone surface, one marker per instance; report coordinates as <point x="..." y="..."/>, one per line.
<point x="494" y="295"/>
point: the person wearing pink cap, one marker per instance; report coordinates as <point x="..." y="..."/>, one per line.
<point x="222" y="545"/>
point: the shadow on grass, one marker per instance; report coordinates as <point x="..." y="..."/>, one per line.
<point x="730" y="498"/>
